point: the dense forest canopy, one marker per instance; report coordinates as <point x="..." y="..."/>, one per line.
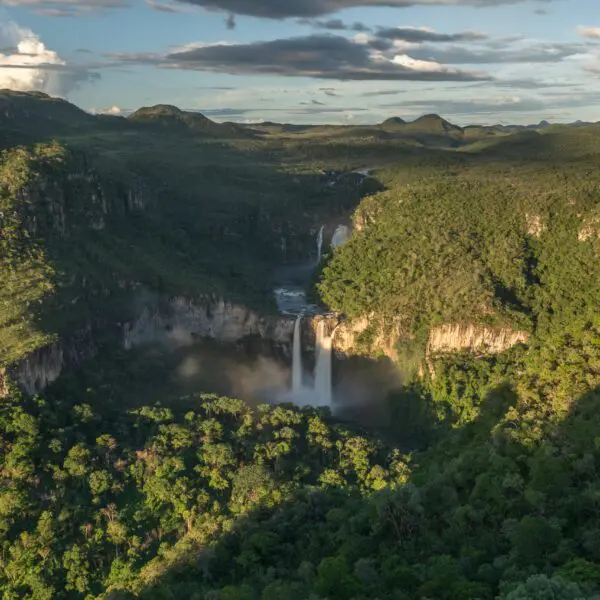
<point x="483" y="484"/>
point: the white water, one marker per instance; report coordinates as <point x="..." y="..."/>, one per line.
<point x="320" y="244"/>
<point x="340" y="237"/>
<point x="297" y="357"/>
<point x="323" y="367"/>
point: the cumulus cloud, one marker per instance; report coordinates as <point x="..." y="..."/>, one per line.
<point x="27" y="64"/>
<point x="316" y="56"/>
<point x="425" y="66"/>
<point x="114" y="111"/>
<point x="282" y="9"/>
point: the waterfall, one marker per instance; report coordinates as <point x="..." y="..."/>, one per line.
<point x="320" y="244"/>
<point x="297" y="357"/>
<point x="340" y="237"/>
<point x="323" y="366"/>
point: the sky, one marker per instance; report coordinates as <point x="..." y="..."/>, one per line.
<point x="311" y="61"/>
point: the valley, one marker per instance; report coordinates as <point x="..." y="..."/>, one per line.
<point x="279" y="362"/>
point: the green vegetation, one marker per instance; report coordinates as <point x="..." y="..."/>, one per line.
<point x="173" y="211"/>
<point x="93" y="498"/>
<point x="486" y="244"/>
<point x="487" y="484"/>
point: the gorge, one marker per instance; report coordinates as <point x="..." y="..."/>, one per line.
<point x="265" y="361"/>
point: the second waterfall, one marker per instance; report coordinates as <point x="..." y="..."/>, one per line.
<point x="324" y="344"/>
<point x="297" y="374"/>
<point x="320" y="393"/>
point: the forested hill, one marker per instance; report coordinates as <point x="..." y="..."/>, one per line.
<point x="113" y="208"/>
<point x="482" y="480"/>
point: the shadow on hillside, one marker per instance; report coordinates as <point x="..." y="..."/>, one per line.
<point x="415" y="539"/>
<point x="132" y="210"/>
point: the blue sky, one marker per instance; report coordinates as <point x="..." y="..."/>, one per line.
<point x="311" y="61"/>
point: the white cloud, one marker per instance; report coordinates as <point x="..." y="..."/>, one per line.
<point x="30" y="52"/>
<point x="590" y="32"/>
<point x="420" y="65"/>
<point x="115" y="111"/>
<point x="29" y="65"/>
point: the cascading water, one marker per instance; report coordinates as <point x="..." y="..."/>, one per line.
<point x="297" y="357"/>
<point x="320" y="244"/>
<point x="323" y="367"/>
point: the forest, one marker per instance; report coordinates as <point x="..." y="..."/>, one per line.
<point x="483" y="484"/>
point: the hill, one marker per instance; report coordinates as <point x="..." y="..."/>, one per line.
<point x="477" y="478"/>
<point x="174" y="120"/>
<point x="27" y="116"/>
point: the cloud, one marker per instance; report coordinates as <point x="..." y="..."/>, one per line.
<point x="114" y="111"/>
<point x="32" y="66"/>
<point x="593" y="67"/>
<point x="422" y="34"/>
<point x="303" y="110"/>
<point x="169" y="7"/>
<point x="382" y="93"/>
<point x="314" y="103"/>
<point x="283" y="9"/>
<point x="589" y="32"/>
<point x="315" y="56"/>
<point x="494" y="105"/>
<point x="335" y="25"/>
<point x="66" y="8"/>
<point x="425" y="66"/>
<point x="499" y="53"/>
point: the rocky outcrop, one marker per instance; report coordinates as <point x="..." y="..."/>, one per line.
<point x="477" y="339"/>
<point x="369" y="336"/>
<point x="44" y="366"/>
<point x="72" y="195"/>
<point x="480" y="339"/>
<point x="181" y="321"/>
<point x="590" y="229"/>
<point x="534" y="225"/>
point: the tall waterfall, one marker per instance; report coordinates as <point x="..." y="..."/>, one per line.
<point x="323" y="366"/>
<point x="320" y="243"/>
<point x="297" y="357"/>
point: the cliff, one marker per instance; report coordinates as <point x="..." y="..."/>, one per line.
<point x="479" y="339"/>
<point x="183" y="321"/>
<point x="174" y="322"/>
<point x="371" y="337"/>
<point x="43" y="366"/>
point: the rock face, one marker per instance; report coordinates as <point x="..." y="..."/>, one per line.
<point x="366" y="337"/>
<point x="181" y="321"/>
<point x="42" y="367"/>
<point x="535" y="225"/>
<point x="454" y="337"/>
<point x="590" y="229"/>
<point x="173" y="322"/>
<point x="353" y="338"/>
